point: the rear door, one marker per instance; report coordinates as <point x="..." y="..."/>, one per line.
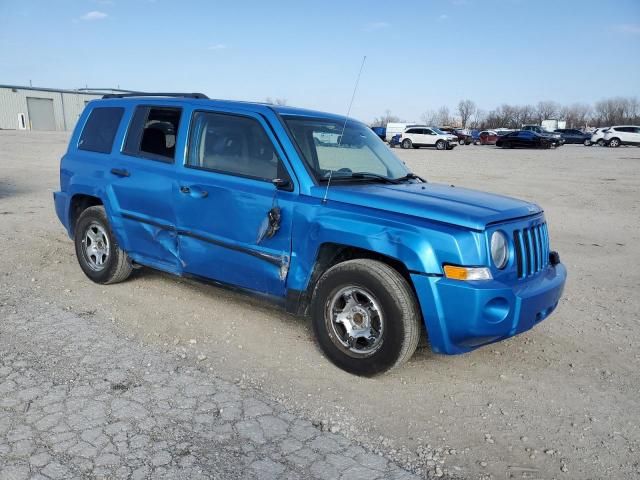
<point x="634" y="136"/>
<point x="142" y="185"/>
<point x="234" y="224"/>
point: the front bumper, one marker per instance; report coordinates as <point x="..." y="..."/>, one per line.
<point x="462" y="316"/>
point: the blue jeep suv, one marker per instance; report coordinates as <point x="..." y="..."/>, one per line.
<point x="308" y="209"/>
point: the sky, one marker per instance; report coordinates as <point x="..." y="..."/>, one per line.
<point x="420" y="55"/>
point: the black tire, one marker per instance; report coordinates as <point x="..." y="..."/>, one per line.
<point x="116" y="266"/>
<point x="399" y="311"/>
<point x="441" y="145"/>
<point x="601" y="142"/>
<point x="461" y="141"/>
<point x="506" y="145"/>
<point x="406" y="144"/>
<point x="615" y="142"/>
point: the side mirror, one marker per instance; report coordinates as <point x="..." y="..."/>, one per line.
<point x="282" y="184"/>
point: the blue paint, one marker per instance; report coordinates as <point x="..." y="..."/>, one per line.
<point x="212" y="231"/>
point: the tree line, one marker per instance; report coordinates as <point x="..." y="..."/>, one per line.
<point x="607" y="112"/>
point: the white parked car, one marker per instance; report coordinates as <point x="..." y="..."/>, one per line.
<point x="416" y="137"/>
<point x="622" y="135"/>
<point x="597" y="137"/>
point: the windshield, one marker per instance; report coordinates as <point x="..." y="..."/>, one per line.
<point x="327" y="149"/>
<point x="438" y="131"/>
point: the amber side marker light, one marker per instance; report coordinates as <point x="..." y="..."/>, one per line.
<point x="467" y="273"/>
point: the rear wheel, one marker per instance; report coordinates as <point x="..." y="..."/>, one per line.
<point x="365" y="317"/>
<point x="601" y="142"/>
<point x="406" y="143"/>
<point x="614" y="142"/>
<point x="441" y="144"/>
<point x="97" y="250"/>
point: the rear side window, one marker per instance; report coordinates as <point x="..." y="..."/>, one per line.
<point x="100" y="130"/>
<point x="153" y="133"/>
<point x="232" y="144"/>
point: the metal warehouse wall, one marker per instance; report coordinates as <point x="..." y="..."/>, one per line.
<point x="67" y="106"/>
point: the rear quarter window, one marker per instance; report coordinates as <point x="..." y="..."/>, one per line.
<point x="100" y="130"/>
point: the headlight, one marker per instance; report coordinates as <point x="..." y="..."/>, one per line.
<point x="499" y="249"/>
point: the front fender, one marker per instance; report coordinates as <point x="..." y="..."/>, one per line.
<point x="420" y="245"/>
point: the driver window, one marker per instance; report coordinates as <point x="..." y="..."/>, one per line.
<point x="231" y="144"/>
<point x="426" y="131"/>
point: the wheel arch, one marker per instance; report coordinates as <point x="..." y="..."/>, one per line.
<point x="330" y="254"/>
<point x="78" y="204"/>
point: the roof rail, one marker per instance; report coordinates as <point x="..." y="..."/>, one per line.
<point x="155" y="94"/>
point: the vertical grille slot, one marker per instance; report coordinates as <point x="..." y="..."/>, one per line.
<point x="531" y="249"/>
<point x="517" y="242"/>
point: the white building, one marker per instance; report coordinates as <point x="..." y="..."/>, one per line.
<point x="32" y="108"/>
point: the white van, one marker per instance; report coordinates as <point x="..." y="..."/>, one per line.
<point x="398" y="129"/>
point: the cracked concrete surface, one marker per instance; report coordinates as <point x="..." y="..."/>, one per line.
<point x="78" y="399"/>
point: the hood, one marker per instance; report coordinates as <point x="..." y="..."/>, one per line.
<point x="441" y="203"/>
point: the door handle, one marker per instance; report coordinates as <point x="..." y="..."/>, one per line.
<point x="120" y="172"/>
<point x="194" y="192"/>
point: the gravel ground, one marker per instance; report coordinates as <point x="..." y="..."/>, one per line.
<point x="560" y="401"/>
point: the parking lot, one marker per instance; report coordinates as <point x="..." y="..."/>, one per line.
<point x="560" y="401"/>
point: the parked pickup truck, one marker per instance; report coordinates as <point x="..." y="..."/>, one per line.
<point x="310" y="210"/>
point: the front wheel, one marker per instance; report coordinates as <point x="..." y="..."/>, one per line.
<point x="461" y="141"/>
<point x="97" y="250"/>
<point x="506" y="145"/>
<point x="365" y="317"/>
<point x="406" y="143"/>
<point x="441" y="145"/>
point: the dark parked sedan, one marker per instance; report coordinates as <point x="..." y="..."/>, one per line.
<point x="525" y="139"/>
<point x="572" y="135"/>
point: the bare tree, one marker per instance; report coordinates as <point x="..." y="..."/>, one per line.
<point x="382" y="120"/>
<point x="443" y="116"/>
<point x="429" y="118"/>
<point x="576" y="114"/>
<point x="276" y="101"/>
<point x="548" y="110"/>
<point x="466" y="109"/>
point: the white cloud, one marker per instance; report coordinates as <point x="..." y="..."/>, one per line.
<point x="443" y="17"/>
<point x="370" y="27"/>
<point x="629" y="29"/>
<point x="94" y="15"/>
<point x="218" y="46"/>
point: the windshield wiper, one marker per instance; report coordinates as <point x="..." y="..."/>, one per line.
<point x="410" y="176"/>
<point x="362" y="176"/>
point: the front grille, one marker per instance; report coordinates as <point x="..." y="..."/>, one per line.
<point x="531" y="249"/>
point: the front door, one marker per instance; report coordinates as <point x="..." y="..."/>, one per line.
<point x="430" y="137"/>
<point x="234" y="224"/>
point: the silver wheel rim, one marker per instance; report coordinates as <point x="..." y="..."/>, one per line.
<point x="440" y="145"/>
<point x="354" y="321"/>
<point x="96" y="246"/>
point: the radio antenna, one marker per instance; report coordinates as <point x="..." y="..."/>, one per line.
<point x="346" y="118"/>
